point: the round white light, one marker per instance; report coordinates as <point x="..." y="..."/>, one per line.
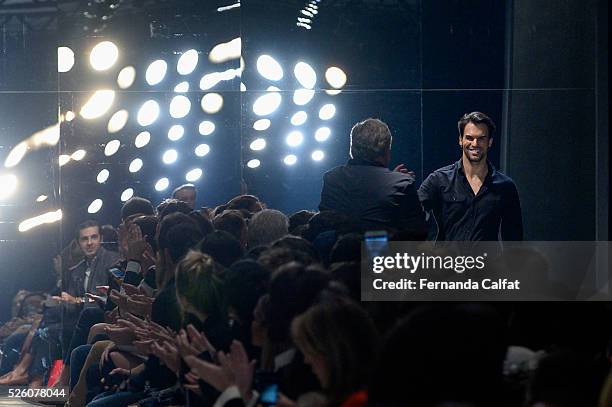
<point x="295" y="138"/>
<point x="63" y="159"/>
<point x="142" y="139"/>
<point x="176" y="132"/>
<point x="102" y="176"/>
<point x="182" y="87"/>
<point x="112" y="147"/>
<point x="8" y="185"/>
<point x="179" y="106"/>
<point x="305" y="75"/>
<point x="212" y="103"/>
<point x="209" y="80"/>
<point x="258" y="144"/>
<point x="269" y="68"/>
<point x="333" y="92"/>
<point x="103" y="56"/>
<point x="148" y="113"/>
<point x="254" y="163"/>
<point x="299" y="118"/>
<point x="117" y="121"/>
<point x="317" y="155"/>
<point x="193" y="175"/>
<point x="290" y="159"/>
<point x="41" y="198"/>
<point x="327" y="111"/>
<point x="169" y="156"/>
<point x="335" y="77"/>
<point x="98" y="104"/>
<point x="322" y="134"/>
<point x="266" y="104"/>
<point x="156" y="71"/>
<point x="303" y="96"/>
<point x="162" y="184"/>
<point x="127" y="194"/>
<point x="187" y="62"/>
<point x="78" y="155"/>
<point x="135" y="165"/>
<point x="95" y="206"/>
<point x="201" y="150"/>
<point x="126" y="77"/>
<point x="206" y="128"/>
<point x="65" y="59"/>
<point x="262" y="124"/>
<point x="70" y="116"/>
<point x="16" y="155"/>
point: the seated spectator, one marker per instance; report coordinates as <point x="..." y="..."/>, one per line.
<point x="265" y="227"/>
<point x="247" y="204"/>
<point x="222" y="247"/>
<point x="186" y="193"/>
<point x="299" y="218"/>
<point x="232" y="222"/>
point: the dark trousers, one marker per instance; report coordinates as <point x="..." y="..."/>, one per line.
<point x="87" y="318"/>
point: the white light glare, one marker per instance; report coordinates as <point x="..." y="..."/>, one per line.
<point x="103" y="56"/>
<point x="95" y="206"/>
<point x="41" y="198"/>
<point x="258" y="144"/>
<point x="112" y="147"/>
<point x="290" y="159"/>
<point x="225" y="51"/>
<point x="269" y="68"/>
<point x="305" y="75"/>
<point x="302" y="96"/>
<point x="206" y="128"/>
<point x="187" y="62"/>
<point x="254" y="163"/>
<point x="201" y="150"/>
<point x="266" y="104"/>
<point x="127" y="194"/>
<point x="126" y="77"/>
<point x="65" y="59"/>
<point x="179" y="106"/>
<point x="212" y="103"/>
<point x="176" y="132"/>
<point x="70" y="116"/>
<point x="162" y="184"/>
<point x="98" y="104"/>
<point x="327" y="111"/>
<point x="307" y="13"/>
<point x="335" y="77"/>
<point x="306" y="26"/>
<point x="48" y="217"/>
<point x="135" y="166"/>
<point x="169" y="156"/>
<point x="156" y="71"/>
<point x="299" y="118"/>
<point x="317" y="155"/>
<point x="209" y="80"/>
<point x="78" y="155"/>
<point x="8" y="185"/>
<point x="102" y="176"/>
<point x="63" y="159"/>
<point x="16" y="154"/>
<point x="295" y="138"/>
<point x="142" y="139"/>
<point x="262" y="124"/>
<point x="182" y="87"/>
<point x="193" y="175"/>
<point x="117" y="121"/>
<point x="322" y="134"/>
<point x="148" y="113"/>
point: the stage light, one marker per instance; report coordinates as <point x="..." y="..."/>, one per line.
<point x="48" y="217"/>
<point x="266" y="104"/>
<point x="209" y="80"/>
<point x="206" y="128"/>
<point x="135" y="165"/>
<point x="162" y="184"/>
<point x="322" y="134"/>
<point x="307" y="13"/>
<point x="302" y="96"/>
<point x="317" y="155"/>
<point x="305" y="75"/>
<point x="117" y="121"/>
<point x="63" y="159"/>
<point x="102" y="176"/>
<point x="306" y="26"/>
<point x="112" y="147"/>
<point x="262" y="124"/>
<point x="179" y="106"/>
<point x="299" y="118"/>
<point x="272" y="89"/>
<point x="335" y="77"/>
<point x="212" y="103"/>
<point x="16" y="154"/>
<point x="127" y="194"/>
<point x="48" y="136"/>
<point x="148" y="113"/>
<point x="8" y="185"/>
<point x="304" y="20"/>
<point x="169" y="156"/>
<point x="295" y="138"/>
<point x="126" y="77"/>
<point x="225" y="51"/>
<point x="290" y="159"/>
<point x="193" y="175"/>
<point x="327" y="111"/>
<point x="65" y="59"/>
<point x="98" y="104"/>
<point x="176" y="132"/>
<point x="311" y="10"/>
<point x="156" y="71"/>
<point x="142" y="139"/>
<point x="269" y="68"/>
<point x="333" y="92"/>
<point x="201" y="150"/>
<point x="70" y="116"/>
<point x="254" y="163"/>
<point x="41" y="198"/>
<point x="258" y="144"/>
<point x="187" y="62"/>
<point x="78" y="155"/>
<point x="182" y="87"/>
<point x="95" y="206"/>
<point x="103" y="56"/>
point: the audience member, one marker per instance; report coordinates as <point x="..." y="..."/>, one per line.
<point x="265" y="227"/>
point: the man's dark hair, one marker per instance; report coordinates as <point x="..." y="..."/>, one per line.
<point x="205" y="225"/>
<point x="231" y="221"/>
<point x="90" y="223"/>
<point x="178" y="233"/>
<point x="136" y="205"/>
<point x="370" y="139"/>
<point x="476" y="118"/>
<point x="347" y="248"/>
<point x="224" y="248"/>
<point x="169" y="206"/>
<point x="245" y="282"/>
<point x="299" y="244"/>
<point x="298" y="219"/>
<point x="182" y="187"/>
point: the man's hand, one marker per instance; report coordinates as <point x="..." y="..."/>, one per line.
<point x="242" y="370"/>
<point x="136" y="243"/>
<point x="65" y="297"/>
<point x="404" y="170"/>
<point x="120" y="335"/>
<point x="217" y="376"/>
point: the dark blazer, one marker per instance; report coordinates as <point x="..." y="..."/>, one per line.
<point x="100" y="265"/>
<point x="373" y="196"/>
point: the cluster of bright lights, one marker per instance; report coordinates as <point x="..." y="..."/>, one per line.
<point x="306" y="15"/>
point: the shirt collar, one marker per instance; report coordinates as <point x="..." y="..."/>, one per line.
<point x="361" y="161"/>
<point x="490" y="174"/>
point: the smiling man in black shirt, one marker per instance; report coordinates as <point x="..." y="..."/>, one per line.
<point x="471" y="200"/>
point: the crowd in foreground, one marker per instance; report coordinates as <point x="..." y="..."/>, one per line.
<point x="241" y="305"/>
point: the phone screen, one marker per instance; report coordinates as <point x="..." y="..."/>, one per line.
<point x="376" y="242"/>
<point x="269" y="395"/>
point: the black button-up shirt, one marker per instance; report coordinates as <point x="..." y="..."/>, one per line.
<point x="462" y="215"/>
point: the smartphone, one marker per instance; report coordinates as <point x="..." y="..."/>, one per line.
<point x="376" y="242"/>
<point x="269" y="395"/>
<point x="267" y="385"/>
<point x="117" y="273"/>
